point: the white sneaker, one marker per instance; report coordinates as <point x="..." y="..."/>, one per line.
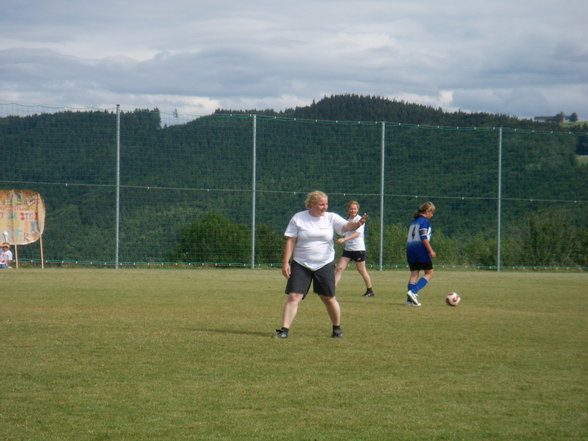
<point x="413" y="297"/>
<point x="409" y="302"/>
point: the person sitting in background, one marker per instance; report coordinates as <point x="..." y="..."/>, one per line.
<point x="5" y="256"/>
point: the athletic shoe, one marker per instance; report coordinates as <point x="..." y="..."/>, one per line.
<point x="337" y="333"/>
<point x="281" y="334"/>
<point x="414" y="297"/>
<point x="409" y="302"/>
<point x="369" y="294"/>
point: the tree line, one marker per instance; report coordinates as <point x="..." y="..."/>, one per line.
<point x="176" y="179"/>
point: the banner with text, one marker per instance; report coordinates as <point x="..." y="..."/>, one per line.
<point x="22" y="216"/>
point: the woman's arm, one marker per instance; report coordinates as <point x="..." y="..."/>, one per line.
<point x="346" y="238"/>
<point x="427" y="245"/>
<point x="352" y="226"/>
<point x="288" y="250"/>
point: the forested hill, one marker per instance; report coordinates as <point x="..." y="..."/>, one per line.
<point x="367" y="108"/>
<point x="171" y="176"/>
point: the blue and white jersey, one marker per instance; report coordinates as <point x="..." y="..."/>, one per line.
<point x="420" y="229"/>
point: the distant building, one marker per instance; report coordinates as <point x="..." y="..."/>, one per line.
<point x="552" y="119"/>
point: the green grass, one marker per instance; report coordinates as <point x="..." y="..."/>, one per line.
<point x="188" y="355"/>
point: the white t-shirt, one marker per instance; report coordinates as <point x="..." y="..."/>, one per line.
<point x="357" y="243"/>
<point x="5" y="256"/>
<point x="314" y="245"/>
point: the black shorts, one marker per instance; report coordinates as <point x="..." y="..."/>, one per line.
<point x="420" y="266"/>
<point x="356" y="256"/>
<point x="323" y="280"/>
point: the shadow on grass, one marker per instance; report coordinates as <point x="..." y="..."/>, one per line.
<point x="235" y="332"/>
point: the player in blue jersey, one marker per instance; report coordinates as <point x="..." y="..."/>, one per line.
<point x="419" y="252"/>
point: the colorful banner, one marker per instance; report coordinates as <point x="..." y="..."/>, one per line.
<point x="22" y="216"/>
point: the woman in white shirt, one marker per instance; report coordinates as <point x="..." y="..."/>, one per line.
<point x="310" y="247"/>
<point x="354" y="249"/>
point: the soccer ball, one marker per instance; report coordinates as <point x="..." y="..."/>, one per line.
<point x="453" y="299"/>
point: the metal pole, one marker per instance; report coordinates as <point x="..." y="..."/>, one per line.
<point x="382" y="175"/>
<point x="253" y="191"/>
<point x="499" y="228"/>
<point x="117" y="227"/>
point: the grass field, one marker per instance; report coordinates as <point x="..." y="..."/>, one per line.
<point x="187" y="355"/>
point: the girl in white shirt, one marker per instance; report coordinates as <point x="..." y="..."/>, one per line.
<point x="354" y="249"/>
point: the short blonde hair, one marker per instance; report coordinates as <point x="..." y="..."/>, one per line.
<point x="313" y="198"/>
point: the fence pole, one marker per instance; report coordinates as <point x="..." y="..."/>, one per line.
<point x="253" y="191"/>
<point x="499" y="220"/>
<point x="382" y="175"/>
<point x="117" y="221"/>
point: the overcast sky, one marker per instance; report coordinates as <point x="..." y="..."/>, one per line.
<point x="518" y="57"/>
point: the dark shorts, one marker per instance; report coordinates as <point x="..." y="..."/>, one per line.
<point x="420" y="266"/>
<point x="323" y="280"/>
<point x="356" y="256"/>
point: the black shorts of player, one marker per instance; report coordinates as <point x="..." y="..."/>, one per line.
<point x="420" y="266"/>
<point x="323" y="280"/>
<point x="356" y="256"/>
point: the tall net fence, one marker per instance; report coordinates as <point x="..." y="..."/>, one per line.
<point x="144" y="188"/>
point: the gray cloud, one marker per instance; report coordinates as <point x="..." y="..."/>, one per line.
<point x="525" y="59"/>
